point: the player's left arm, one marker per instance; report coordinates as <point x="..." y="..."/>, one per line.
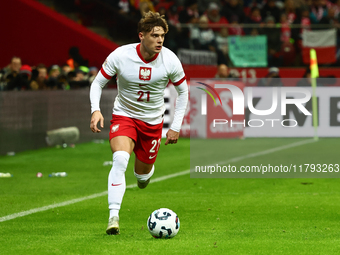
<point x="177" y="76"/>
<point x="181" y="103"/>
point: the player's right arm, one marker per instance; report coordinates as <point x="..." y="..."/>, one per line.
<point x="105" y="74"/>
<point x="96" y="117"/>
<point x="95" y="95"/>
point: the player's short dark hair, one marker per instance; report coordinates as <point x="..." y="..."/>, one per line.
<point x="151" y="20"/>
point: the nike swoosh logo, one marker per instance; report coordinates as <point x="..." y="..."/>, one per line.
<point x="141" y="85"/>
<point x="151" y="157"/>
<point x="116" y="184"/>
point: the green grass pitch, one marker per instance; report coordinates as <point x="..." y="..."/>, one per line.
<point x="218" y="216"/>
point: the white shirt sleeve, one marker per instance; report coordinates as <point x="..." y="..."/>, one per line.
<point x="104" y="75"/>
<point x="177" y="75"/>
<point x="181" y="105"/>
<point x="96" y="91"/>
<point x="110" y="65"/>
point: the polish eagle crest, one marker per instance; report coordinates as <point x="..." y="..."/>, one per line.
<point x="145" y="73"/>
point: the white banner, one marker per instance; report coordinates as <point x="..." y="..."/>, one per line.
<point x="319" y="38"/>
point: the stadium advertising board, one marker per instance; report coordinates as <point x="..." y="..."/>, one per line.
<point x="222" y="113"/>
<point x="266" y="111"/>
<point x="218" y="103"/>
<point x="261" y="112"/>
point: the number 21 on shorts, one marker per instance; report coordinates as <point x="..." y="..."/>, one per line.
<point x="155" y="145"/>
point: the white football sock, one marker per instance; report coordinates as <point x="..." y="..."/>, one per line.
<point x="116" y="181"/>
<point x="144" y="177"/>
<point x="114" y="212"/>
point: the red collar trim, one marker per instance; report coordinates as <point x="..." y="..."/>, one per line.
<point x="141" y="57"/>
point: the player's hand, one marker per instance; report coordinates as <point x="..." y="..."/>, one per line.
<point x="96" y="117"/>
<point x="171" y="137"/>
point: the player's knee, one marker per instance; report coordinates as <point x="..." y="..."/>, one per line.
<point x="120" y="160"/>
<point x="144" y="177"/>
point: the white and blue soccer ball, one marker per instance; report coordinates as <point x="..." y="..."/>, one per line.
<point x="163" y="223"/>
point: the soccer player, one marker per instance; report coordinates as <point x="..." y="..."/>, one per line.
<point x="143" y="71"/>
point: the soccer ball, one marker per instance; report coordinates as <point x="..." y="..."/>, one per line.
<point x="163" y="223"/>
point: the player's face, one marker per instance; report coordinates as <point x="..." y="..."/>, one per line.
<point x="153" y="40"/>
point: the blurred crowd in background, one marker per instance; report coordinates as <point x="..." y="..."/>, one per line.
<point x="73" y="74"/>
<point x="207" y="24"/>
<point x="193" y="24"/>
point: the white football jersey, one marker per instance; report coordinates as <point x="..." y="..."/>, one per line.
<point x="141" y="83"/>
